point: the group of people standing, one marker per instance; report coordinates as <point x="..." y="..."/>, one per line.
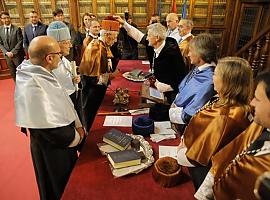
<point x="209" y="99"/>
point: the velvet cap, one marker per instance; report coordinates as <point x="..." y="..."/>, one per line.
<point x="59" y="31"/>
<point x="109" y="24"/>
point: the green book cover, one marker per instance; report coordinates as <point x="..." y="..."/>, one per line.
<point x="117" y="139"/>
<point x="126" y="158"/>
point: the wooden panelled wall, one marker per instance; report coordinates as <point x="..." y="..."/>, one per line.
<point x="232" y="22"/>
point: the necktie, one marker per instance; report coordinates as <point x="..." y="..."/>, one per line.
<point x="7" y="33"/>
<point x="34" y="31"/>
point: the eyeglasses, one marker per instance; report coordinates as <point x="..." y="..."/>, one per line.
<point x="59" y="53"/>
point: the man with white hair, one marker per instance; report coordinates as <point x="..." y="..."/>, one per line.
<point x="185" y="27"/>
<point x="59" y="31"/>
<point x="96" y="70"/>
<point x="168" y="65"/>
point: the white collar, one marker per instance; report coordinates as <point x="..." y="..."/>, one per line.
<point x="9" y="26"/>
<point x="185" y="37"/>
<point x="205" y="65"/>
<point x="158" y="50"/>
<point x="93" y="36"/>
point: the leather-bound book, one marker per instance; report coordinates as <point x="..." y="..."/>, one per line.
<point x="117" y="139"/>
<point x="127" y="158"/>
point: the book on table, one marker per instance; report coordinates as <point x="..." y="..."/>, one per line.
<point x="117" y="139"/>
<point x="126" y="158"/>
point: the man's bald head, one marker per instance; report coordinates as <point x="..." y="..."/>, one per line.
<point x="42" y="51"/>
<point x="172" y="21"/>
<point x="40" y="46"/>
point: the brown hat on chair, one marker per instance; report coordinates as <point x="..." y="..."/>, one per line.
<point x="109" y="24"/>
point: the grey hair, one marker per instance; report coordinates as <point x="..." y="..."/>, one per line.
<point x="205" y="47"/>
<point x="157" y="29"/>
<point x="188" y="23"/>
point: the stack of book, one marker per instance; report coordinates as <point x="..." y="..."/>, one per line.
<point x="124" y="157"/>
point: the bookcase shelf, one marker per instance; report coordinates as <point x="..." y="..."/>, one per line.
<point x="205" y="13"/>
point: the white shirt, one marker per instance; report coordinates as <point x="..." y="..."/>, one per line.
<point x="9" y="27"/>
<point x="185" y="37"/>
<point x="174" y="34"/>
<point x="133" y="32"/>
<point x="159" y="49"/>
<point x="93" y="36"/>
<point x="64" y="76"/>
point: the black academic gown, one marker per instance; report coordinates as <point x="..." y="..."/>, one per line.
<point x="53" y="160"/>
<point x="169" y="66"/>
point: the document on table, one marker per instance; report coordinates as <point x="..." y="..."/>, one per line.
<point x="164" y="128"/>
<point x="155" y="93"/>
<point x="145" y="62"/>
<point x="170" y="151"/>
<point x="125" y="121"/>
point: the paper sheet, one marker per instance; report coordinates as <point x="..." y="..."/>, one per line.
<point x="155" y="93"/>
<point x="170" y="151"/>
<point x="164" y="128"/>
<point x="125" y="121"/>
<point x="145" y="62"/>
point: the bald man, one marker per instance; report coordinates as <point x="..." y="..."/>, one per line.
<point x="45" y="109"/>
<point x="172" y="21"/>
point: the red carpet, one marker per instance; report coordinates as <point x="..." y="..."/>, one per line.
<point x="16" y="170"/>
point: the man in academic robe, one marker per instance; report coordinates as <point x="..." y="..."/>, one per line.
<point x="65" y="71"/>
<point x="172" y="21"/>
<point x="236" y="167"/>
<point x="45" y="109"/>
<point x="168" y="66"/>
<point x="197" y="87"/>
<point x="185" y="27"/>
<point x="33" y="29"/>
<point x="11" y="43"/>
<point x="96" y="70"/>
<point x="93" y="33"/>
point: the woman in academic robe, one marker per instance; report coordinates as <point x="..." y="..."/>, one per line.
<point x="219" y="121"/>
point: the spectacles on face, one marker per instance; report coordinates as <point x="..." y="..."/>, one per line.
<point x="60" y="53"/>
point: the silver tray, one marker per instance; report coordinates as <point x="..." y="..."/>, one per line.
<point x="128" y="76"/>
<point x="145" y="147"/>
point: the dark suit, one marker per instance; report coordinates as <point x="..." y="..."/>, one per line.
<point x="29" y="35"/>
<point x="14" y="45"/>
<point x="169" y="66"/>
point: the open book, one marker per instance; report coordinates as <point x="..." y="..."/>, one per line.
<point x="152" y="94"/>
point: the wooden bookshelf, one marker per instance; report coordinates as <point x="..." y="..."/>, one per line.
<point x="214" y="16"/>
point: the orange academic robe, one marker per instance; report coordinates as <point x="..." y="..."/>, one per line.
<point x="236" y="180"/>
<point x="211" y="129"/>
